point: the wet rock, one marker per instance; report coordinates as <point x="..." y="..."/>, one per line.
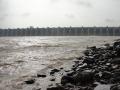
<point x="50" y="85"/>
<point x="36" y="88"/>
<point x="52" y="79"/>
<point x="85" y="88"/>
<point x="71" y="73"/>
<point x="76" y="62"/>
<point x="97" y="77"/>
<point x="115" y="44"/>
<point x="106" y="75"/>
<point x="115" y="80"/>
<point x="39" y="89"/>
<point x="92" y="48"/>
<point x="116" y="74"/>
<point x="74" y="67"/>
<point x="41" y="75"/>
<point x="115" y="61"/>
<point x="94" y="85"/>
<point x="107" y="45"/>
<point x="84" y="77"/>
<point x="115" y="66"/>
<point x="67" y="79"/>
<point x="96" y="70"/>
<point x="107" y="55"/>
<point x="54" y="71"/>
<point x="79" y="58"/>
<point x="89" y="60"/>
<point x="103" y="82"/>
<point x="83" y="66"/>
<point x="86" y="52"/>
<point x="110" y="48"/>
<point x="56" y="88"/>
<point x="115" y="87"/>
<point x="116" y="70"/>
<point x="30" y="81"/>
<point x="61" y="68"/>
<point x="108" y="64"/>
<point x="69" y="85"/>
<point x="96" y="56"/>
<point x="67" y="70"/>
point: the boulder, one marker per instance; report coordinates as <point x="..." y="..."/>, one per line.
<point x="71" y="73"/>
<point x="54" y="71"/>
<point x="85" y="88"/>
<point x="103" y="82"/>
<point x="30" y="81"/>
<point x="115" y="80"/>
<point x="41" y="75"/>
<point x="89" y="60"/>
<point x="115" y="44"/>
<point x="115" y="87"/>
<point x="115" y="61"/>
<point x="106" y="75"/>
<point x="52" y="79"/>
<point x="56" y="88"/>
<point x="92" y="48"/>
<point x="67" y="79"/>
<point x="86" y="52"/>
<point x="116" y="74"/>
<point x="83" y="77"/>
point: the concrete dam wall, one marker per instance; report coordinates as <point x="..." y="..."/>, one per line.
<point x="66" y="31"/>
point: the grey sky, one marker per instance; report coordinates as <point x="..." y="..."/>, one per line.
<point x="50" y="13"/>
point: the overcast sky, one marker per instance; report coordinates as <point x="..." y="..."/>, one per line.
<point x="54" y="13"/>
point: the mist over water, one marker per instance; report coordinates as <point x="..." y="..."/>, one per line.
<point x="21" y="56"/>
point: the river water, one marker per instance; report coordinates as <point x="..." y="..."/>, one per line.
<point x="24" y="56"/>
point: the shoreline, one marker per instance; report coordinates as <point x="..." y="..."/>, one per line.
<point x="96" y="70"/>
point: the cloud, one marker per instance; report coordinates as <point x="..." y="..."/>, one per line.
<point x="117" y="0"/>
<point x="3" y="5"/>
<point x="54" y="1"/>
<point x="71" y="16"/>
<point x="109" y="20"/>
<point x="27" y="14"/>
<point x="3" y="17"/>
<point x="84" y="3"/>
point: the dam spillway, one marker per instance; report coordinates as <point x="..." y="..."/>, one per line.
<point x="62" y="31"/>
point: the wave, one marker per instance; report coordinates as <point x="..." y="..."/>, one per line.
<point x="46" y="45"/>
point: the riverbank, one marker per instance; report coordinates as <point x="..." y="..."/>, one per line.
<point x="98" y="69"/>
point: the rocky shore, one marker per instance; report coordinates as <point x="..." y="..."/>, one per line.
<point x="98" y="67"/>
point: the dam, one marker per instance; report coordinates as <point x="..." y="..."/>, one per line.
<point x="62" y="31"/>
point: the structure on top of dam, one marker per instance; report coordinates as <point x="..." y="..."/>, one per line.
<point x="62" y="31"/>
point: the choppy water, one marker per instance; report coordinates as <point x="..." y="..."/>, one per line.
<point x="20" y="56"/>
